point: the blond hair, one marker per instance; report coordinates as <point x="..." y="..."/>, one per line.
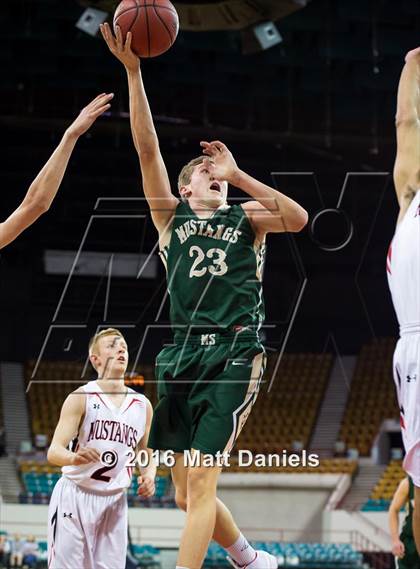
<point x="184" y="177"/>
<point x="94" y="340"/>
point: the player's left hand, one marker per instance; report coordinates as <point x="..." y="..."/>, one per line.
<point x="89" y="114"/>
<point x="221" y="164"/>
<point x="146" y="486"/>
<point x="120" y="48"/>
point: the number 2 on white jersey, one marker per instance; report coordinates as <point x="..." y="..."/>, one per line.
<point x="218" y="256"/>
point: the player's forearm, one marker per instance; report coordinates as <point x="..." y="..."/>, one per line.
<point x="141" y="120"/>
<point x="393" y="524"/>
<point x="44" y="188"/>
<point x="288" y="212"/>
<point x="408" y="101"/>
<point x="60" y="456"/>
<point x="150" y="469"/>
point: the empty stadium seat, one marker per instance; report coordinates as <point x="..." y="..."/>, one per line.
<point x="383" y="492"/>
<point x="289" y="411"/>
<point x="372" y="396"/>
<point x="39" y="479"/>
<point x="52" y="384"/>
<point x="325" y="555"/>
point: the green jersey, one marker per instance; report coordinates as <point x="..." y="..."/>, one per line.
<point x="214" y="271"/>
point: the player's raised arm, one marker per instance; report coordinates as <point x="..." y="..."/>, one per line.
<point x="156" y="184"/>
<point x="44" y="188"/>
<point x="270" y="211"/>
<point x="407" y="163"/>
<point x="67" y="428"/>
<point x="148" y="473"/>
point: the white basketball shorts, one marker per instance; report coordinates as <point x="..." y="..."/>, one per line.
<point x="407" y="381"/>
<point x="86" y="530"/>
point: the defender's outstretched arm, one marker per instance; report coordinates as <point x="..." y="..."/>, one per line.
<point x="156" y="184"/>
<point x="407" y="163"/>
<point x="44" y="188"/>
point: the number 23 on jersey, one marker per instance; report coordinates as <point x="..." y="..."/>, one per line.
<point x="216" y="267"/>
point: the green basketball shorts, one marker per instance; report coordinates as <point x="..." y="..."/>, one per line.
<point x="411" y="559"/>
<point x="206" y="388"/>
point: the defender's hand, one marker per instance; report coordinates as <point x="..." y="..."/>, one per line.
<point x="85" y="455"/>
<point x="220" y="163"/>
<point x="146" y="486"/>
<point x="398" y="549"/>
<point x="89" y="114"/>
<point x="121" y="50"/>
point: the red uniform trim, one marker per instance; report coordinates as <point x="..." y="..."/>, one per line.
<point x="388" y="259"/>
<point x="97" y="395"/>
<point x="131" y="403"/>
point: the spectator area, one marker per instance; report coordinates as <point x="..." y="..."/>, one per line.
<point x="372" y="396"/>
<point x="289" y="411"/>
<point x="54" y="381"/>
<point x="326" y="466"/>
<point x="384" y="490"/>
<point x="284" y="415"/>
<point x="297" y="555"/>
<point x="38" y="480"/>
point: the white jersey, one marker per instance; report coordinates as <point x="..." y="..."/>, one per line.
<point x="403" y="268"/>
<point x="115" y="432"/>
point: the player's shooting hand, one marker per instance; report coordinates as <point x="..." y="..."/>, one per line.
<point x="412" y="54"/>
<point x="89" y="114"/>
<point x="85" y="455"/>
<point x="220" y="162"/>
<point x="398" y="549"/>
<point x="146" y="486"/>
<point x="122" y="50"/>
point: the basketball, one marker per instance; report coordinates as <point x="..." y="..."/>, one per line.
<point x="153" y="23"/>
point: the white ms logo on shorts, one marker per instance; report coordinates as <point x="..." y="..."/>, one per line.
<point x="208" y="339"/>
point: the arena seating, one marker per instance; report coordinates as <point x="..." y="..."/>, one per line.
<point x="326" y="466"/>
<point x="286" y="414"/>
<point x="289" y="411"/>
<point x="384" y="490"/>
<point x="298" y="555"/>
<point x="372" y="396"/>
<point x="45" y="399"/>
<point x="39" y="480"/>
<point x="147" y="556"/>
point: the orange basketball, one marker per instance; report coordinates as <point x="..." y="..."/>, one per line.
<point x="154" y="25"/>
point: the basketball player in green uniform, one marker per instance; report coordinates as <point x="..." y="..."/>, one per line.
<point x="44" y="188"/>
<point x="213" y="253"/>
<point x="403" y="544"/>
